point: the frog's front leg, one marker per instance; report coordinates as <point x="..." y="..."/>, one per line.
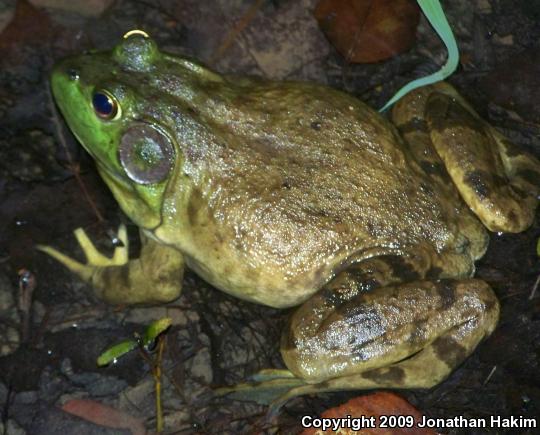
<point x="155" y="277"/>
<point x="398" y="335"/>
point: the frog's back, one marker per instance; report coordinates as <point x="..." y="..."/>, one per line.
<point x="297" y="179"/>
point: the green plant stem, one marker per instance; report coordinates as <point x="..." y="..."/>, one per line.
<point x="157" y="381"/>
<point x="434" y="13"/>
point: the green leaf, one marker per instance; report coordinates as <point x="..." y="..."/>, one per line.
<point x="116" y="351"/>
<point x="538" y="247"/>
<point x="433" y="11"/>
<point x="155" y="329"/>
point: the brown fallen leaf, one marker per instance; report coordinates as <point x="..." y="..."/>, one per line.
<point x="377" y="404"/>
<point x="366" y="31"/>
<point x="29" y="25"/>
<point x="104" y="415"/>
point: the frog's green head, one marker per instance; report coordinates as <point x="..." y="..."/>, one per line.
<point x="100" y="95"/>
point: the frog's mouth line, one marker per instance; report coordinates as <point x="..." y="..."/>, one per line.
<point x="110" y="175"/>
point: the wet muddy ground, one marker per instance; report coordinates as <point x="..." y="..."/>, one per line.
<point x="49" y="187"/>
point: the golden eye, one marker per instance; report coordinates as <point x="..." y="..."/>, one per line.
<point x="105" y="105"/>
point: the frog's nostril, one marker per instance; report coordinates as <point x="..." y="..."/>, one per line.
<point x="73" y="74"/>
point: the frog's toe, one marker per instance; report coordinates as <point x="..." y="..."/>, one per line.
<point x="264" y="388"/>
<point x="82" y="270"/>
<point x="96" y="258"/>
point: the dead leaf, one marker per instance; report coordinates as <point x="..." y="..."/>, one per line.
<point x="28" y="26"/>
<point x="366" y="31"/>
<point x="377" y="404"/>
<point x="104" y="415"/>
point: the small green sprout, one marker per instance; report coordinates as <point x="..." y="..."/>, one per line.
<point x="153" y="331"/>
<point x="152" y="335"/>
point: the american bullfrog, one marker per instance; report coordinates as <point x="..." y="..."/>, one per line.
<point x="295" y="194"/>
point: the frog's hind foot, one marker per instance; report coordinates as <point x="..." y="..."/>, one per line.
<point x="264" y="387"/>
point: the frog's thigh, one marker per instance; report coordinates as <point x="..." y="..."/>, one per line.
<point x="399" y="336"/>
<point x="473" y="158"/>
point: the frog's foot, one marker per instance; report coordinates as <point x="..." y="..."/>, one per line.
<point x="153" y="278"/>
<point x="264" y="387"/>
<point x="94" y="258"/>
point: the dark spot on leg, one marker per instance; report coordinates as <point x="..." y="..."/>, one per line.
<point x="332" y="296"/>
<point x="414" y="125"/>
<point x="401" y="268"/>
<point x="477" y="181"/>
<point x="419" y="333"/>
<point x="368" y="285"/>
<point x="489" y="299"/>
<point x="449" y="351"/>
<point x="323" y="385"/>
<point x="192" y="111"/>
<point x="434" y="273"/>
<point x="446" y="289"/>
<point x="512" y="217"/>
<point x="386" y="375"/>
<point x="427" y="189"/>
<point x="433" y="168"/>
<point x="444" y="112"/>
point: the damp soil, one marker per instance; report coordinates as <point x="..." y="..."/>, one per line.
<point x="49" y="187"/>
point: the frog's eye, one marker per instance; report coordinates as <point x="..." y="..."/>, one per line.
<point x="146" y="154"/>
<point x="105" y="105"/>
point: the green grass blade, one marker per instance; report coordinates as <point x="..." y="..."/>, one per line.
<point x="433" y="11"/>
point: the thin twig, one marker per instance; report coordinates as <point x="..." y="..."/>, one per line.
<point x="236" y="30"/>
<point x="27" y="285"/>
<point x="535" y="286"/>
<point x="490" y="375"/>
<point x="72" y="166"/>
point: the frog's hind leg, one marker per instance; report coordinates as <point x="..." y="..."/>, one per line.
<point x="499" y="183"/>
<point x="408" y="335"/>
<point x="424" y="368"/>
<point x="408" y="114"/>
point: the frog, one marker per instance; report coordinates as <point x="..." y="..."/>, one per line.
<point x="295" y="194"/>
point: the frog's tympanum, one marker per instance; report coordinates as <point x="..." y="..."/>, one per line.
<point x="294" y="194"/>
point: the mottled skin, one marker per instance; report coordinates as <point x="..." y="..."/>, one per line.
<point x="291" y="194"/>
